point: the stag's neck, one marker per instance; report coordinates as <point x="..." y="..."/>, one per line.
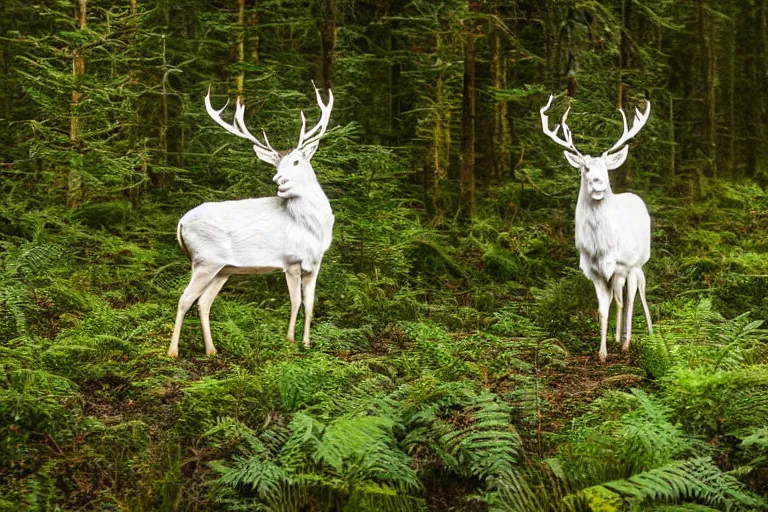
<point x="312" y="210"/>
<point x="596" y="233"/>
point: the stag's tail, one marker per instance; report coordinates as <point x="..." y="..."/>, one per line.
<point x="180" y="239"/>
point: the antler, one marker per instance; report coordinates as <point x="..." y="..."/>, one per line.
<point x="567" y="142"/>
<point x="238" y="126"/>
<point x="637" y="123"/>
<point x="313" y="136"/>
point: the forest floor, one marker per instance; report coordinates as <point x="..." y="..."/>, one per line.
<point x="439" y="353"/>
<point x="583" y="379"/>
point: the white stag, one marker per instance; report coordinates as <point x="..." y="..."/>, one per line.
<point x="613" y="231"/>
<point x="290" y="232"/>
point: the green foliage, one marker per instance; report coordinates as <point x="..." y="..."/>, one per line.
<point x="237" y="396"/>
<point x="300" y="383"/>
<point x="351" y="460"/>
<point x="34" y="401"/>
<point x="452" y="362"/>
<point x="720" y="403"/>
<point x="623" y="434"/>
<point x="24" y="267"/>
<point x="697" y="336"/>
<point x="566" y="310"/>
<point x="696" y="479"/>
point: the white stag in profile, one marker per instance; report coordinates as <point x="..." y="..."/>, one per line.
<point x="613" y="231"/>
<point x="290" y="232"/>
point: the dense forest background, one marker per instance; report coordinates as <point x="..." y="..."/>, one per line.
<point x="453" y="362"/>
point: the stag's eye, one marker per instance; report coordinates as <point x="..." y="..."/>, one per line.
<point x="295" y="163"/>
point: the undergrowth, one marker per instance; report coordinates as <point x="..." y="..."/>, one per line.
<point x="451" y="367"/>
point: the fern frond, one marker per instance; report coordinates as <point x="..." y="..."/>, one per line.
<point x="693" y="479"/>
<point x="488" y="445"/>
<point x="364" y="449"/>
<point x="261" y="476"/>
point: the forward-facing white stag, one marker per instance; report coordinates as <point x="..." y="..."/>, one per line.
<point x="613" y="231"/>
<point x="290" y="232"/>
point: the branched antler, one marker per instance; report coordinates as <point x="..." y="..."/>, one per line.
<point x="567" y="141"/>
<point x="637" y="123"/>
<point x="313" y="136"/>
<point x="238" y="127"/>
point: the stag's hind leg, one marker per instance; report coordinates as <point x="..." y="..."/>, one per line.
<point x="204" y="307"/>
<point x="641" y="288"/>
<point x="632" y="283"/>
<point x="308" y="281"/>
<point x="201" y="278"/>
<point x="293" y="278"/>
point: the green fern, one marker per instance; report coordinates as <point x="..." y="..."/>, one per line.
<point x="755" y="446"/>
<point x="238" y="395"/>
<point x="698" y="336"/>
<point x="725" y="402"/>
<point x="487" y="445"/>
<point x="36" y="400"/>
<point x="262" y="477"/>
<point x="688" y="507"/>
<point x="621" y="434"/>
<point x="352" y="459"/>
<point x="40" y="491"/>
<point x="528" y="489"/>
<point x="23" y="267"/>
<point x="697" y="480"/>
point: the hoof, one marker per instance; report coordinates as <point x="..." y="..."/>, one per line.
<point x="625" y="347"/>
<point x="173" y="353"/>
<point x="306" y="345"/>
<point x="602" y="356"/>
<point x="210" y="353"/>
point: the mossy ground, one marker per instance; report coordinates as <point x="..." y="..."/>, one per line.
<point x="455" y="356"/>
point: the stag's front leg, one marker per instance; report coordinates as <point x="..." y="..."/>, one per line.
<point x="618" y="295"/>
<point x="293" y="278"/>
<point x="604" y="303"/>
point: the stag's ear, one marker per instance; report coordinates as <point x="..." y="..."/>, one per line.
<point x="614" y="160"/>
<point x="574" y="159"/>
<point x="266" y="156"/>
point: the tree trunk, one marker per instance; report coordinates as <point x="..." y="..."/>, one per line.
<point x="501" y="133"/>
<point x="328" y="42"/>
<point x="394" y="89"/>
<point x="438" y="156"/>
<point x="672" y="146"/>
<point x="468" y="111"/>
<point x="758" y="120"/>
<point x="241" y="48"/>
<point x="133" y="31"/>
<point x="166" y="116"/>
<point x="712" y="95"/>
<point x="706" y="33"/>
<point x="254" y="35"/>
<point x="75" y="178"/>
<point x="134" y="192"/>
<point x="732" y="106"/>
<point x="626" y="12"/>
<point x="571" y="37"/>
